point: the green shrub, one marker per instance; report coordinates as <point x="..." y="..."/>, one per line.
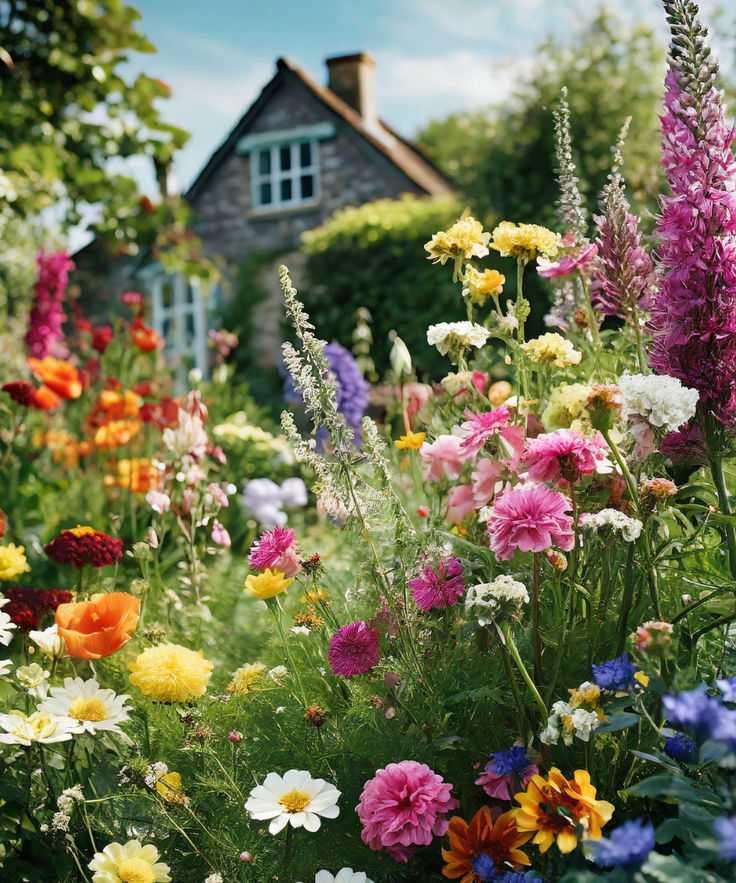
<point x="374" y="257"/>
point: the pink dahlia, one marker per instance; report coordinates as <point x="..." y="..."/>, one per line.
<point x="478" y="428"/>
<point x="444" y="456"/>
<point x="438" y="587"/>
<point x="566" y="454"/>
<point x="403" y="807"/>
<point x="353" y="649"/>
<point x="276" y="549"/>
<point x="530" y="518"/>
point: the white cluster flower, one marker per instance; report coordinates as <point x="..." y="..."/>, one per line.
<point x="268" y="500"/>
<point x="155" y="772"/>
<point x="213" y="878"/>
<point x="569" y="722"/>
<point x="629" y="528"/>
<point x="60" y="821"/>
<point x="68" y="798"/>
<point x="278" y="673"/>
<point x="661" y="400"/>
<point x="505" y="596"/>
<point x="299" y="630"/>
<point x="453" y="335"/>
<point x="508" y="324"/>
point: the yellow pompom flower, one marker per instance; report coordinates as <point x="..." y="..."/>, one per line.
<point x="525" y="241"/>
<point x="480" y="284"/>
<point x="131" y="863"/>
<point x="245" y="678"/>
<point x="268" y="584"/>
<point x="412" y="441"/>
<point x="12" y="561"/>
<point x="170" y="673"/>
<point x="465" y="239"/>
<point x="552" y="349"/>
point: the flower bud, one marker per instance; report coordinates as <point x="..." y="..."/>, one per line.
<point x="400" y="359"/>
<point x="235" y="736"/>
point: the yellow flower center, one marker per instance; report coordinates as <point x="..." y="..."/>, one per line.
<point x="81" y="530"/>
<point x="295" y="801"/>
<point x="135" y="870"/>
<point x="88" y="709"/>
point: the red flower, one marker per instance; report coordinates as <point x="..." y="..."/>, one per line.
<point x="20" y="391"/>
<point x="22" y="615"/>
<point x="84" y="545"/>
<point x="39" y="600"/>
<point x="83" y="325"/>
<point x="101" y="337"/>
<point x="144" y="338"/>
<point x="147" y="207"/>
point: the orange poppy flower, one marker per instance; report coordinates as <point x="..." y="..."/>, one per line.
<point x="59" y="376"/>
<point x="499" y="840"/>
<point x="98" y="627"/>
<point x="117" y="432"/>
<point x="554" y="809"/>
<point x="144" y="338"/>
<point x="45" y="399"/>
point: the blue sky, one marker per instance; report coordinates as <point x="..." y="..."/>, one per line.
<point x="433" y="56"/>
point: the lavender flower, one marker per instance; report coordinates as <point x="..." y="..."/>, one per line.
<point x="44" y="337"/>
<point x="726" y="831"/>
<point x="694" y="311"/>
<point x="627" y="847"/>
<point x="727" y="686"/>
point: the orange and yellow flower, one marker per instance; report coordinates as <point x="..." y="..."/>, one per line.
<point x="59" y="376"/>
<point x="500" y="840"/>
<point x="560" y="809"/>
<point x="138" y="474"/>
<point x="116" y="433"/>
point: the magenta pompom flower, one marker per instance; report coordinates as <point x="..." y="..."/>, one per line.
<point x="403" y="807"/>
<point x="566" y="454"/>
<point x="530" y="518"/>
<point x="353" y="649"/>
<point x="276" y="549"/>
<point x="438" y="587"/>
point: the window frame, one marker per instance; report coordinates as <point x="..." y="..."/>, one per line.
<point x="275" y="176"/>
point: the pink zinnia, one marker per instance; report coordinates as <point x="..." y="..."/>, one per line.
<point x="276" y="549"/>
<point x="478" y="428"/>
<point x="440" y="587"/>
<point x="530" y="518"/>
<point x="444" y="457"/>
<point x="403" y="807"/>
<point x="565" y="454"/>
<point x="353" y="649"/>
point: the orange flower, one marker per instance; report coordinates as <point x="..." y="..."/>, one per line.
<point x="140" y="475"/>
<point x="144" y="338"/>
<point x="499" y="840"/>
<point x="557" y="808"/>
<point x="98" y="627"/>
<point x="59" y="376"/>
<point x="117" y="432"/>
<point x="117" y="405"/>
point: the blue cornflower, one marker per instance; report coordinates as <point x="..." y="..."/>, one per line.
<point x="615" y="674"/>
<point x="727" y="686"/>
<point x="627" y="847"/>
<point x="680" y="748"/>
<point x="726" y="831"/>
<point x="485" y="868"/>
<point x="721" y="725"/>
<point x="518" y="877"/>
<point x="693" y="709"/>
<point x="504" y="763"/>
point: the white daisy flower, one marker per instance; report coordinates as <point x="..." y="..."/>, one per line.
<point x="37" y="727"/>
<point x="295" y="798"/>
<point x="49" y="641"/>
<point x="96" y="710"/>
<point x="345" y="875"/>
<point x="6" y="624"/>
<point x="132" y="862"/>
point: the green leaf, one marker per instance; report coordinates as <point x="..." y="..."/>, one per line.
<point x="621" y="721"/>
<point x="671" y="788"/>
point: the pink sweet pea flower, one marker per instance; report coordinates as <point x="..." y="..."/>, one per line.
<point x="220" y="535"/>
<point x="444" y="456"/>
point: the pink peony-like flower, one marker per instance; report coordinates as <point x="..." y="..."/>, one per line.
<point x="403" y="807"/>
<point x="353" y="649"/>
<point x="566" y="455"/>
<point x="276" y="548"/>
<point x="478" y="428"/>
<point x="461" y="500"/>
<point x="530" y="518"/>
<point x="438" y="587"/>
<point x="444" y="457"/>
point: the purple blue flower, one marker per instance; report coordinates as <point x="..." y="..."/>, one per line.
<point x="726" y="831"/>
<point x="627" y="847"/>
<point x="506" y="763"/>
<point x="727" y="686"/>
<point x="680" y="748"/>
<point x="615" y="674"/>
<point x="693" y="709"/>
<point x="487" y="873"/>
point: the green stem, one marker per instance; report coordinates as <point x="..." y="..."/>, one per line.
<point x="505" y="632"/>
<point x="537" y="637"/>
<point x="719" y="480"/>
<point x="273" y="606"/>
<point x="643" y="366"/>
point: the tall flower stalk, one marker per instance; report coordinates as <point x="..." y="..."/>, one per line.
<point x="694" y="310"/>
<point x="45" y="335"/>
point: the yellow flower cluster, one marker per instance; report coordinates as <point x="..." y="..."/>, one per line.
<point x="525" y="241"/>
<point x="245" y="678"/>
<point x="170" y="673"/>
<point x="479" y="285"/>
<point x="465" y="239"/>
<point x="552" y="348"/>
<point x="12" y="561"/>
<point x="566" y="408"/>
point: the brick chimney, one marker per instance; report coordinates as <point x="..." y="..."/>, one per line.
<point x="351" y="77"/>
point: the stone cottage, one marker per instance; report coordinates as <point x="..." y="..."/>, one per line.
<point x="300" y="151"/>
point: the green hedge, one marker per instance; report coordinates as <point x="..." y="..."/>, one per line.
<point x="374" y="257"/>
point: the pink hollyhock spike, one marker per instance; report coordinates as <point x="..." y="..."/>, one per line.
<point x="276" y="549"/>
<point x="45" y="335"/>
<point x="404" y="807"/>
<point x="530" y="518"/>
<point x="444" y="457"/>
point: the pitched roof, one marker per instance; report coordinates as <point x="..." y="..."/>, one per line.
<point x="405" y="156"/>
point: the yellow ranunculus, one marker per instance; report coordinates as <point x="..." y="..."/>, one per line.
<point x="411" y="441"/>
<point x="267" y="584"/>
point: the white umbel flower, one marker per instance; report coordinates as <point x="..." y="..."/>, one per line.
<point x="7" y="626"/>
<point x="296" y="799"/>
<point x="448" y="336"/>
<point x="505" y="597"/>
<point x="36" y="728"/>
<point x="95" y="709"/>
<point x="131" y="862"/>
<point x="659" y="399"/>
<point x="629" y="528"/>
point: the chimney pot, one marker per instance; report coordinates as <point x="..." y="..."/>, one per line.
<point x="351" y="77"/>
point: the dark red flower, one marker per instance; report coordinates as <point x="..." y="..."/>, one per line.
<point x="40" y="601"/>
<point x="22" y="615"/>
<point x="83" y="545"/>
<point x="101" y="337"/>
<point x="147" y="206"/>
<point x="20" y="391"/>
<point x="83" y="325"/>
